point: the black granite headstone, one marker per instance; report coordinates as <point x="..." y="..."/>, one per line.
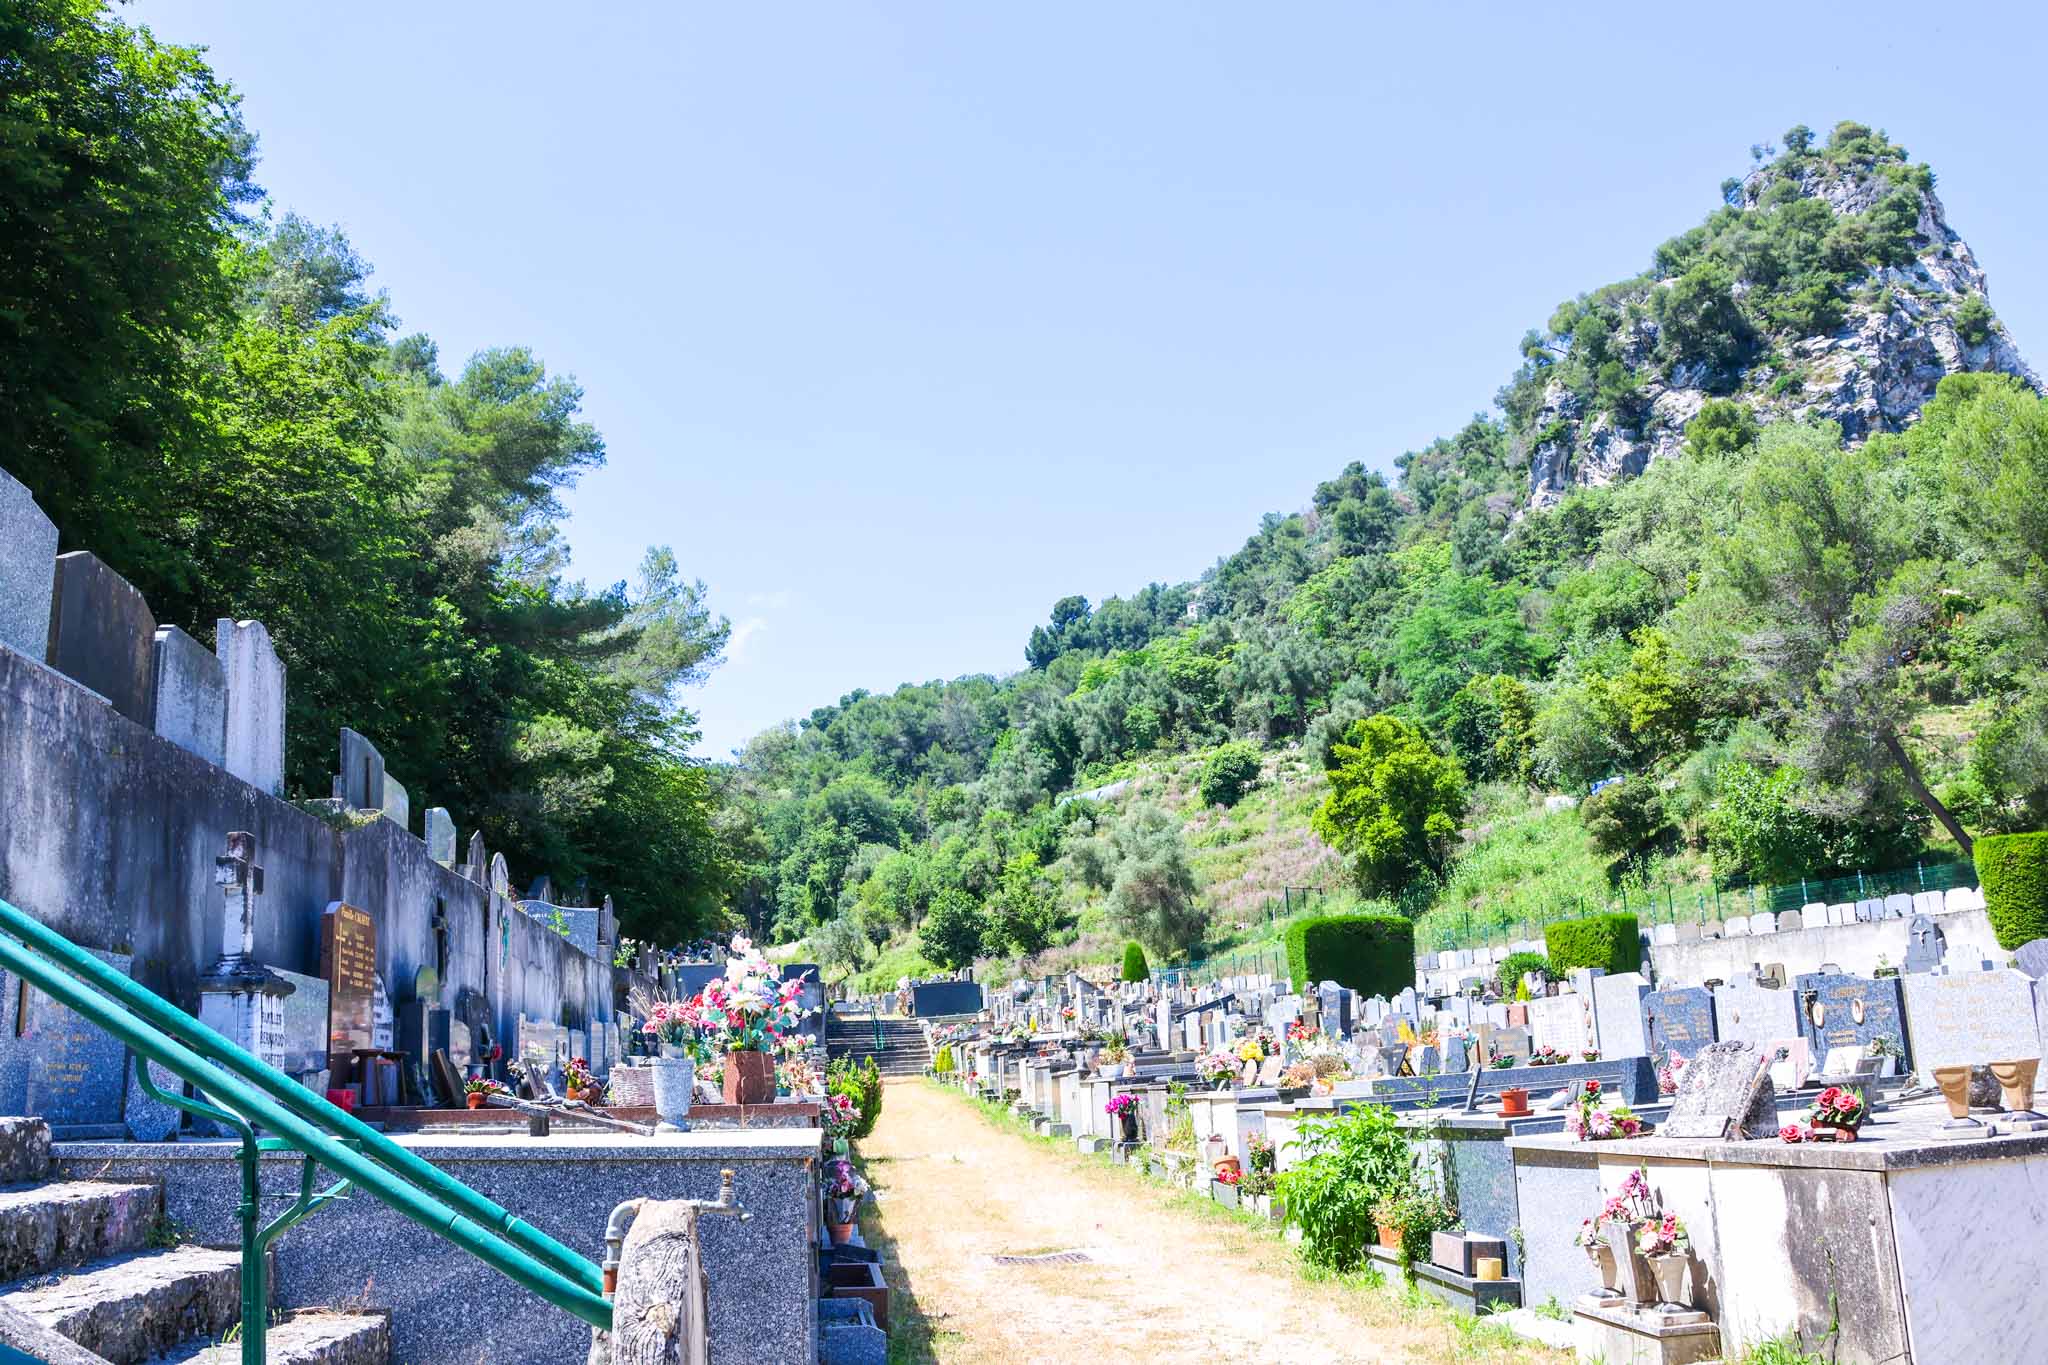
<point x="1679" y="1021"/>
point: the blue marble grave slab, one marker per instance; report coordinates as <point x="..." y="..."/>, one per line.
<point x="1679" y="1020"/>
<point x="56" y="1065"/>
<point x="1840" y="1010"/>
<point x="1633" y="1078"/>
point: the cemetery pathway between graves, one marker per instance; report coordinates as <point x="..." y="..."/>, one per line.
<point x="1166" y="1278"/>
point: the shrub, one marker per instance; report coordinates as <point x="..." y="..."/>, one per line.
<point x="1228" y="771"/>
<point x="1508" y="974"/>
<point x="1372" y="954"/>
<point x="860" y="1082"/>
<point x="2013" y="869"/>
<point x="1344" y="1167"/>
<point x="1625" y="817"/>
<point x="1612" y="941"/>
<point x="1135" y="968"/>
<point x="943" y="1062"/>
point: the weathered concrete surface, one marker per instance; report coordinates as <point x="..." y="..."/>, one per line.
<point x="25" y="1334"/>
<point x="50" y="1227"/>
<point x="1855" y="948"/>
<point x="306" y="1339"/>
<point x="24" y="1150"/>
<point x="138" y="1306"/>
<point x="453" y="1309"/>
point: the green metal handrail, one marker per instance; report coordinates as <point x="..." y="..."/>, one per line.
<point x="245" y="1094"/>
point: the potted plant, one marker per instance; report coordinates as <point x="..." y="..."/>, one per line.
<point x="744" y="1015"/>
<point x="581" y="1083"/>
<point x="1116" y="1057"/>
<point x="1123" y="1107"/>
<point x="1841" y="1111"/>
<point x="1259" y="1178"/>
<point x="1502" y="1063"/>
<point x="1406" y="1218"/>
<point x="839" y="1116"/>
<point x="1219" y="1069"/>
<point x="1296" y="1081"/>
<point x="478" y="1092"/>
<point x="844" y="1189"/>
<point x="1662" y="1241"/>
<point x="1514" y="1101"/>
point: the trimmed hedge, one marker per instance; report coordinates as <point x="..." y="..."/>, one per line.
<point x="1612" y="941"/>
<point x="1135" y="968"/>
<point x="1372" y="954"/>
<point x="2013" y="870"/>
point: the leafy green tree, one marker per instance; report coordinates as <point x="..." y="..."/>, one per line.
<point x="1461" y="627"/>
<point x="1394" y="804"/>
<point x="1823" y="591"/>
<point x="1227" y="772"/>
<point x="1025" y="913"/>
<point x="1756" y="830"/>
<point x="953" y="929"/>
<point x="1488" y="727"/>
<point x="1625" y="817"/>
<point x="123" y="178"/>
<point x="1155" y="896"/>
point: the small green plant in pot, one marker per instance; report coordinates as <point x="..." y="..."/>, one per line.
<point x="1405" y="1219"/>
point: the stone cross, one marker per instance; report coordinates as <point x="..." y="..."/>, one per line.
<point x="240" y="879"/>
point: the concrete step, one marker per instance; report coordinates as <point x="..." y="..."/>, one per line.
<point x="303" y="1339"/>
<point x="24" y="1150"/>
<point x="49" y="1227"/>
<point x="136" y="1306"/>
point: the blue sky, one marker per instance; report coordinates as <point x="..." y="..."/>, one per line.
<point x="902" y="322"/>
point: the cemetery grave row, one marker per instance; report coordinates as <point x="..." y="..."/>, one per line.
<point x="1870" y="1113"/>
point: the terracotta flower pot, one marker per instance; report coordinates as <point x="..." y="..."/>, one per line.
<point x="842" y="1233"/>
<point x="474" y="1101"/>
<point x="1390" y="1238"/>
<point x="1514" y="1101"/>
<point x="749" y="1077"/>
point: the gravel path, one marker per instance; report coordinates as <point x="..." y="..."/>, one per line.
<point x="1164" y="1279"/>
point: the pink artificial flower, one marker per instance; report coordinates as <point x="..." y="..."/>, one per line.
<point x="1791" y="1132"/>
<point x="1599" y="1123"/>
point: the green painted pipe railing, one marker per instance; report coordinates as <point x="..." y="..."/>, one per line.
<point x="245" y="1094"/>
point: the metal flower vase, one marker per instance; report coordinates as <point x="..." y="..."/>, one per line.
<point x="675" y="1078"/>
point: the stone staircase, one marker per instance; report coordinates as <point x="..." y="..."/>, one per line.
<point x="94" y="1262"/>
<point x="902" y="1052"/>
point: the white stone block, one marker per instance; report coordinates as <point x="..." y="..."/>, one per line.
<point x="255" y="721"/>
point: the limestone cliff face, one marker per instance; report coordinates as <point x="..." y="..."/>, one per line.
<point x="1903" y="328"/>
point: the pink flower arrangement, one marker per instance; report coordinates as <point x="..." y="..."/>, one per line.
<point x="1591" y="1121"/>
<point x="1662" y="1236"/>
<point x="838" y="1115"/>
<point x="1670" y="1074"/>
<point x="1229" y="1175"/>
<point x="1119" y="1105"/>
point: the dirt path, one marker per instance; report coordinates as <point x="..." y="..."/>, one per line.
<point x="1166" y="1278"/>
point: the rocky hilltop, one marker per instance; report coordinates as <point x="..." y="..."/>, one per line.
<point x="1829" y="286"/>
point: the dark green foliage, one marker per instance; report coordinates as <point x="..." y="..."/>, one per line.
<point x="2013" y="869"/>
<point x="1135" y="967"/>
<point x="1488" y="727"/>
<point x="860" y="1082"/>
<point x="953" y="930"/>
<point x="1394" y="804"/>
<point x="1228" y="771"/>
<point x="1512" y="968"/>
<point x="1612" y="941"/>
<point x="1973" y="320"/>
<point x="1625" y="817"/>
<point x="1372" y="954"/>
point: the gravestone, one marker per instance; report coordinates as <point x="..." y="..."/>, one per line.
<point x="1791" y="921"/>
<point x="360" y="783"/>
<point x="1791" y="1060"/>
<point x="101" y="634"/>
<point x="2031" y="957"/>
<point x="1455" y="1054"/>
<point x="1814" y="916"/>
<point x="1735" y="926"/>
<point x="1513" y="1042"/>
<point x="1971" y="1019"/>
<point x="1842" y="913"/>
<point x="1837" y="1010"/>
<point x="191" y="695"/>
<point x="56" y="1064"/>
<point x="348" y="964"/>
<point x="500" y="876"/>
<point x="1618" y="1015"/>
<point x="440" y="834"/>
<point x="397" y="803"/>
<point x="1749" y="1012"/>
<point x="1763" y="922"/>
<point x="1558" y="1021"/>
<point x="1679" y="1021"/>
<point x="303" y="1034"/>
<point x="1898" y="906"/>
<point x="1926" y="945"/>
<point x="255" y="712"/>
<point x="28" y="554"/>
<point x="1724" y="1092"/>
<point x="1927" y="903"/>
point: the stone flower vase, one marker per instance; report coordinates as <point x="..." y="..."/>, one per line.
<point x="749" y="1077"/>
<point x="1674" y="1279"/>
<point x="675" y="1080"/>
<point x="1602" y="1257"/>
